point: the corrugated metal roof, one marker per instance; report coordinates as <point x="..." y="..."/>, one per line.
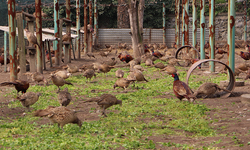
<point x="51" y="31"/>
<point x="47" y="36"/>
<point x="115" y="36"/>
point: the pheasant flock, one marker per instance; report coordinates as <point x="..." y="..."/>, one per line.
<point x="63" y="115"/>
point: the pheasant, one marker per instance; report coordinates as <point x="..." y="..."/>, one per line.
<point x="182" y="90"/>
<point x="119" y="73"/>
<point x="60" y="115"/>
<point x="139" y="76"/>
<point x="20" y="85"/>
<point x="72" y="68"/>
<point x="63" y="74"/>
<point x="29" y="99"/>
<point x="209" y="89"/>
<point x="170" y="69"/>
<point x="123" y="83"/>
<point x="64" y="97"/>
<point x="37" y="77"/>
<point x="159" y="65"/>
<point x="89" y="73"/>
<point x="90" y="55"/>
<point x="105" y="101"/>
<point x="66" y="37"/>
<point x="31" y="38"/>
<point x="59" y="81"/>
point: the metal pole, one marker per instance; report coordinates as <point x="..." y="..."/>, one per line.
<point x="78" y="28"/>
<point x="12" y="39"/>
<point x="245" y="22"/>
<point x="194" y="24"/>
<point x="183" y="24"/>
<point x="39" y="36"/>
<point x="5" y="51"/>
<point x="56" y="29"/>
<point x="68" y="9"/>
<point x="177" y="23"/>
<point x="202" y="29"/>
<point x="85" y="26"/>
<point x="95" y="22"/>
<point x="164" y="22"/>
<point x="68" y="27"/>
<point x="90" y="22"/>
<point x="231" y="34"/>
<point x="211" y="34"/>
<point x="186" y="21"/>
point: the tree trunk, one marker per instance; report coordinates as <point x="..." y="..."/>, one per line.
<point x="136" y="10"/>
<point x="122" y="14"/>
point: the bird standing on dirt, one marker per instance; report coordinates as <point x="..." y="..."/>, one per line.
<point x="125" y="57"/>
<point x="119" y="73"/>
<point x="209" y="89"/>
<point x="123" y="83"/>
<point x="37" y="77"/>
<point x="174" y="45"/>
<point x="247" y="47"/>
<point x="248" y="74"/>
<point x="90" y="55"/>
<point x="105" y="68"/>
<point x="219" y="56"/>
<point x="64" y="97"/>
<point x="138" y="67"/>
<point x="105" y="101"/>
<point x="29" y="99"/>
<point x="86" y="67"/>
<point x="31" y="38"/>
<point x="105" y="54"/>
<point x="156" y="53"/>
<point x="2" y="60"/>
<point x="139" y="76"/>
<point x="63" y="73"/>
<point x="72" y="68"/>
<point x="59" y="81"/>
<point x="194" y="60"/>
<point x="219" y="51"/>
<point x="206" y="46"/>
<point x="245" y="55"/>
<point x="60" y="115"/>
<point x="182" y="90"/>
<point x="170" y="69"/>
<point x="89" y="73"/>
<point x="20" y="85"/>
<point x="159" y="65"/>
<point x="149" y="62"/>
<point x="242" y="66"/>
<point x="110" y="62"/>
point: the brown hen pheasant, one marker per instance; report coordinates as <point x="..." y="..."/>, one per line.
<point x="105" y="101"/>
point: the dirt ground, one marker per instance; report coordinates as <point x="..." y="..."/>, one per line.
<point x="232" y="113"/>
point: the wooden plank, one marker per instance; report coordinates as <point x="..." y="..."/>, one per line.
<point x="68" y="30"/>
<point x="32" y="53"/>
<point x="48" y="48"/>
<point x="66" y="46"/>
<point x="21" y="45"/>
<point x="44" y="55"/>
<point x="5" y="51"/>
<point x="66" y="20"/>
